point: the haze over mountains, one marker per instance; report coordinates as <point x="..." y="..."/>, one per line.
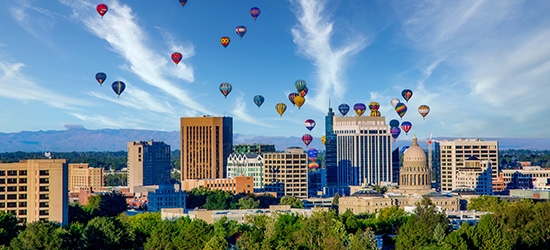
<point x="79" y="139"/>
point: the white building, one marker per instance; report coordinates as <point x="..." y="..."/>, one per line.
<point x="453" y="155"/>
<point x="247" y="165"/>
<point x="475" y="175"/>
<point x="530" y="177"/>
<point x="364" y="150"/>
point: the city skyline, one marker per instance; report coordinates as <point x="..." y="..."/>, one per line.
<point x="482" y="67"/>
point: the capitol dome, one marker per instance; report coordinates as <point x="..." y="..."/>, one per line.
<point x="415" y="175"/>
<point x="414" y="152"/>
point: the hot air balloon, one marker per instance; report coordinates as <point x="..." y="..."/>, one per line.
<point x="183" y="2"/>
<point x="299" y="101"/>
<point x="241" y="31"/>
<point x="307" y="138"/>
<point x="406" y="126"/>
<point x="394" y="102"/>
<point x="395" y="131"/>
<point x="281" y="108"/>
<point x="324" y="139"/>
<point x="304" y="91"/>
<point x="407" y="94"/>
<point x="423" y="110"/>
<point x="102" y="9"/>
<point x="343" y="108"/>
<point x="100" y="77"/>
<point x="225" y="41"/>
<point x="313" y="165"/>
<point x="291" y="98"/>
<point x="255" y="12"/>
<point x="374" y="106"/>
<point x="259" y="100"/>
<point x="176" y="57"/>
<point x="394" y="123"/>
<point x="312" y="153"/>
<point x="310" y="124"/>
<point x="118" y="87"/>
<point x="359" y="108"/>
<point x="225" y="88"/>
<point x="300" y="85"/>
<point x="401" y="109"/>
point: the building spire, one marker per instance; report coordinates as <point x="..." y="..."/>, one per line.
<point x="415" y="141"/>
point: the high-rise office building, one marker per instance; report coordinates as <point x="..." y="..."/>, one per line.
<point x="475" y="175"/>
<point x="83" y="176"/>
<point x="206" y="142"/>
<point x="453" y="154"/>
<point x="364" y="150"/>
<point x="331" y="164"/>
<point x="35" y="190"/>
<point x="148" y="163"/>
<point x="286" y="173"/>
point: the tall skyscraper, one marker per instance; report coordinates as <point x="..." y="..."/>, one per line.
<point x="453" y="155"/>
<point x="364" y="150"/>
<point x="148" y="163"/>
<point x="35" y="190"/>
<point x="331" y="163"/>
<point x="206" y="143"/>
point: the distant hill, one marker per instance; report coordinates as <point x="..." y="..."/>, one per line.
<point x="79" y="139"/>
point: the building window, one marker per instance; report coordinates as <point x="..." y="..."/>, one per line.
<point x="12" y="204"/>
<point x="12" y="180"/>
<point x="23" y="204"/>
<point x="12" y="172"/>
<point x="44" y="172"/>
<point x="12" y="196"/>
<point x="22" y="196"/>
<point x="44" y="188"/>
<point x="2" y="181"/>
<point x="2" y="205"/>
<point x="2" y="172"/>
<point x="44" y="180"/>
<point x="23" y="212"/>
<point x="44" y="212"/>
<point x="12" y="189"/>
<point x="2" y="196"/>
<point x="44" y="204"/>
<point x="44" y="196"/>
<point x="21" y="188"/>
<point x="23" y="172"/>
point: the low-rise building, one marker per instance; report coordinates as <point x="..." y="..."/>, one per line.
<point x="246" y="165"/>
<point x="235" y="185"/>
<point x="83" y="176"/>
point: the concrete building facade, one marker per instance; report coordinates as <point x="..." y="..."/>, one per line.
<point x="235" y="185"/>
<point x="148" y="163"/>
<point x="206" y="143"/>
<point x="286" y="173"/>
<point x="247" y="165"/>
<point x="475" y="175"/>
<point x="453" y="155"/>
<point x="83" y="176"/>
<point x="35" y="190"/>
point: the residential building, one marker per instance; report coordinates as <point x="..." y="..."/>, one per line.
<point x="253" y="148"/>
<point x="364" y="150"/>
<point x="286" y="173"/>
<point x="83" y="176"/>
<point x="148" y="163"/>
<point x="235" y="185"/>
<point x="453" y="154"/>
<point x="239" y="164"/>
<point x="206" y="143"/>
<point x="475" y="175"/>
<point x="35" y="190"/>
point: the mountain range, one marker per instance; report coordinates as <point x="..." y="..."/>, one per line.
<point x="79" y="139"/>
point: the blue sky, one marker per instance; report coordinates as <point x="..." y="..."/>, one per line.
<point x="483" y="67"/>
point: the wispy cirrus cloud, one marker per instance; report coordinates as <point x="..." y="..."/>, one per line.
<point x="241" y="113"/>
<point x="312" y="36"/>
<point x="125" y="36"/>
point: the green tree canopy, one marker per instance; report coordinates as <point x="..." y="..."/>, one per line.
<point x="292" y="201"/>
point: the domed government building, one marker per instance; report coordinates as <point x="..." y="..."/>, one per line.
<point x="414" y="184"/>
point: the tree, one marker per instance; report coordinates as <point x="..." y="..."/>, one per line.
<point x="292" y="201"/>
<point x="418" y="230"/>
<point x="9" y="227"/>
<point x="158" y="239"/>
<point x="363" y="240"/>
<point x="335" y="202"/>
<point x="218" y="200"/>
<point x="108" y="233"/>
<point x="216" y="243"/>
<point x="143" y="225"/>
<point x="39" y="235"/>
<point x="488" y="234"/>
<point x="248" y="203"/>
<point x="193" y="235"/>
<point x="106" y="204"/>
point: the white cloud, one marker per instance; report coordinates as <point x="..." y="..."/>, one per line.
<point x="241" y="113"/>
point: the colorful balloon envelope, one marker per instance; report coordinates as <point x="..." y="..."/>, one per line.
<point x="401" y="109"/>
<point x="310" y="124"/>
<point x="312" y="153"/>
<point x="394" y="123"/>
<point x="225" y="88"/>
<point x="324" y="139"/>
<point x="406" y="126"/>
<point x="407" y="94"/>
<point x="375" y="113"/>
<point x="100" y="77"/>
<point x="183" y="2"/>
<point x="374" y="106"/>
<point x="255" y="12"/>
<point x="241" y="31"/>
<point x="300" y="85"/>
<point x="118" y="87"/>
<point x="423" y="110"/>
<point x="395" y="131"/>
<point x="291" y="97"/>
<point x="176" y="57"/>
<point x="313" y="165"/>
<point x="343" y="108"/>
<point x="225" y="41"/>
<point x="307" y="138"/>
<point x="259" y="100"/>
<point x="281" y="108"/>
<point x="102" y="9"/>
<point x="299" y="101"/>
<point x="304" y="91"/>
<point x="394" y="102"/>
<point x="359" y="108"/>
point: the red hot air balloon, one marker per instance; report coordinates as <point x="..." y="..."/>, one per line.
<point x="406" y="126"/>
<point x="225" y="41"/>
<point x="310" y="124"/>
<point x="255" y="12"/>
<point x="407" y="94"/>
<point x="304" y="91"/>
<point x="241" y="31"/>
<point x="307" y="138"/>
<point x="176" y="57"/>
<point x="102" y="9"/>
